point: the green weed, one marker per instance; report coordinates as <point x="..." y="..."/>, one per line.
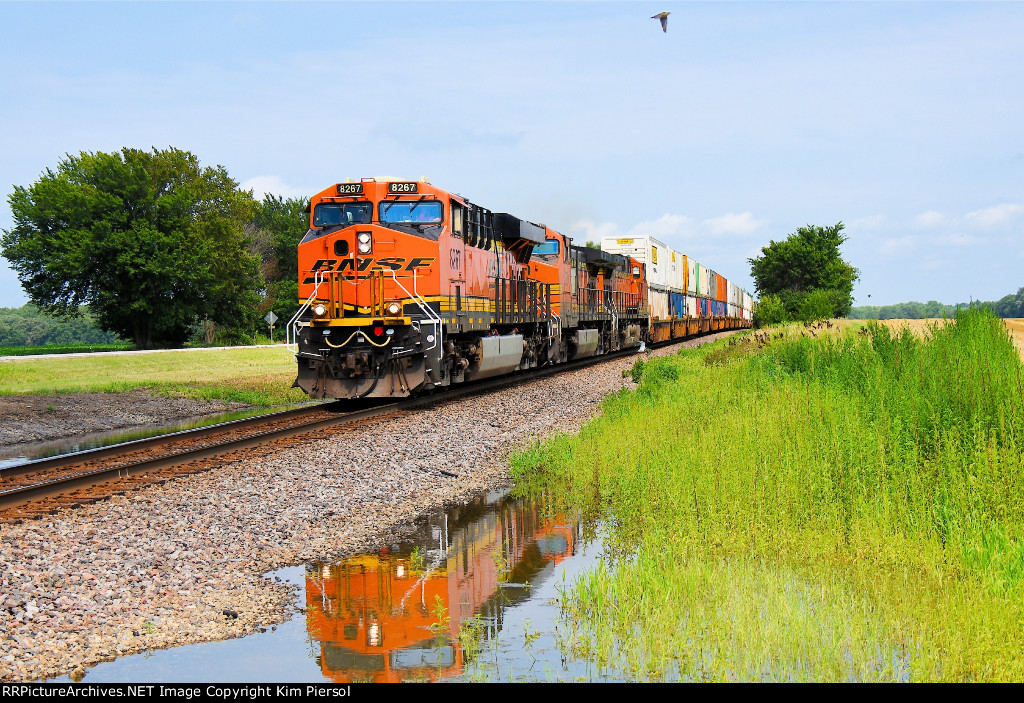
<point x="443" y="619"/>
<point x="836" y="508"/>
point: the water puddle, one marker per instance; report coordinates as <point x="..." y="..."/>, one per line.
<point x="14" y="455"/>
<point x="474" y="595"/>
<point x="470" y="595"/>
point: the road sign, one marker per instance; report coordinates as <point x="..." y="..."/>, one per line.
<point x="271" y="318"/>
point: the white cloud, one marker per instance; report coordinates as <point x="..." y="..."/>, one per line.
<point x="932" y="218"/>
<point x="742" y="224"/>
<point x="995" y="215"/>
<point x="590" y="231"/>
<point x="664" y="227"/>
<point x="675" y="230"/>
<point x="262" y="185"/>
<point x="678" y="231"/>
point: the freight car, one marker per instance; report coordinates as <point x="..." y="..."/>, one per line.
<point x="406" y="288"/>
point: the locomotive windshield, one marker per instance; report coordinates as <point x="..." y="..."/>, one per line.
<point x="329" y="214"/>
<point x="549" y="247"/>
<point x="427" y="212"/>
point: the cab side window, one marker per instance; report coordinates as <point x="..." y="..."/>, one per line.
<point x="457" y="220"/>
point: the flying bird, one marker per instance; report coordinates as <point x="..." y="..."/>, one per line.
<point x="663" y="16"/>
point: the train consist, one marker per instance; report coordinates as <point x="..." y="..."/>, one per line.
<point x="407" y="288"/>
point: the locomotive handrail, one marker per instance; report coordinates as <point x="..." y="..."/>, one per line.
<point x="546" y="310"/>
<point x="292" y="328"/>
<point x="416" y="298"/>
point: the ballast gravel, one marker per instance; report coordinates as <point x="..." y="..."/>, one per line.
<point x="182" y="562"/>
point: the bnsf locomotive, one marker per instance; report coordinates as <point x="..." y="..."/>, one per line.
<point x="407" y="288"/>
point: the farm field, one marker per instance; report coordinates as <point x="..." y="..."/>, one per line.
<point x="843" y="506"/>
<point x="920" y="327"/>
<point x="1016" y="327"/>
<point x="251" y="375"/>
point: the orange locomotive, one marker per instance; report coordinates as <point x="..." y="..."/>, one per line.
<point x="408" y="288"/>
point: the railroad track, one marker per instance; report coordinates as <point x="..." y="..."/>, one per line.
<point x="44" y="486"/>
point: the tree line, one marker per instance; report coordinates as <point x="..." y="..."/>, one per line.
<point x="160" y="249"/>
<point x="1011" y="305"/>
<point x="28" y="326"/>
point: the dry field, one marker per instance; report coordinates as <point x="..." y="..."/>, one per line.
<point x="1016" y="327"/>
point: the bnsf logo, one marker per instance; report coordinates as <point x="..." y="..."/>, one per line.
<point x="393" y="263"/>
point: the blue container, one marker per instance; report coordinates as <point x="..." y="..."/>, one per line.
<point x="677" y="304"/>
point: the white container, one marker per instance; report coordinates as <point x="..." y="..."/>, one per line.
<point x="691" y="275"/>
<point x="659" y="303"/>
<point x="704" y="281"/>
<point x="652" y="252"/>
<point x="677" y="271"/>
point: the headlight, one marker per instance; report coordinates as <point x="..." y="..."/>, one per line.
<point x="393" y="309"/>
<point x="319" y="309"/>
<point x="364" y="242"/>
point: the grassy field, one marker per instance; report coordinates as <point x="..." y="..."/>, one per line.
<point x="838" y="507"/>
<point x="260" y="376"/>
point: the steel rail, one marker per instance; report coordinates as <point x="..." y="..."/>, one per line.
<point x="113" y="450"/>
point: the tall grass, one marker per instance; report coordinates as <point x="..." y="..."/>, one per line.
<point x="823" y="509"/>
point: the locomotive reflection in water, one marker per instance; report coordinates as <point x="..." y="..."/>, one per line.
<point x="377" y="617"/>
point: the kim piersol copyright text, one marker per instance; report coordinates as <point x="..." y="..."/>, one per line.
<point x="167" y="692"/>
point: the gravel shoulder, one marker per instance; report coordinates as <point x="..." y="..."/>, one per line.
<point x="182" y="562"/>
<point x="37" y="418"/>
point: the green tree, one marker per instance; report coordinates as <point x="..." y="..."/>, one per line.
<point x="770" y="311"/>
<point x="278" y="226"/>
<point x="807" y="263"/>
<point x="149" y="240"/>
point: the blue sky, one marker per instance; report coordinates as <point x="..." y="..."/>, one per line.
<point x="746" y="120"/>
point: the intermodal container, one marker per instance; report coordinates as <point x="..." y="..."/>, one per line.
<point x="676" y="304"/>
<point x="659" y="303"/>
<point x="652" y="252"/>
<point x="677" y="272"/>
<point x="703" y="284"/>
